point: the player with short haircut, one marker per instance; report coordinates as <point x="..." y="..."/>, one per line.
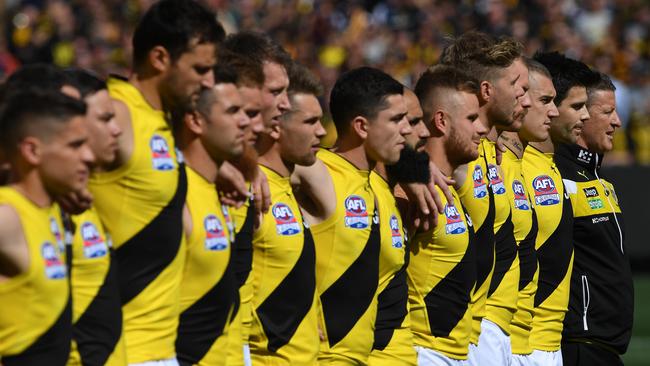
<point x="96" y="309"/>
<point x="43" y="136"/>
<point x="503" y="80"/>
<point x="369" y="112"/>
<point x="140" y="200"/>
<point x="598" y="324"/>
<point x="535" y="126"/>
<point x="209" y="295"/>
<point x="553" y="207"/>
<point x="442" y="267"/>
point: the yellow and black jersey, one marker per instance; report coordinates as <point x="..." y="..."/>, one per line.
<point x="478" y="202"/>
<point x="141" y="205"/>
<point x="393" y="343"/>
<point x="209" y="293"/>
<point x="601" y="303"/>
<point x="284" y="301"/>
<point x="554" y="248"/>
<point x="525" y="231"/>
<point x="441" y="276"/>
<point x="96" y="308"/>
<point x="36" y="316"/>
<point x="502" y="295"/>
<point x="347" y="264"/>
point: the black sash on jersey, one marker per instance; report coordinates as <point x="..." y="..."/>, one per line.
<point x="528" y="255"/>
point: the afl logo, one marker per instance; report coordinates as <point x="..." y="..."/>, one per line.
<point x="455" y="224"/>
<point x="495" y="181"/>
<point x="94" y="244"/>
<point x="545" y="191"/>
<point x="480" y="189"/>
<point x="162" y="159"/>
<point x="54" y="267"/>
<point x="521" y="201"/>
<point x="356" y="213"/>
<point x="395" y="232"/>
<point x="215" y="238"/>
<point x="285" y="221"/>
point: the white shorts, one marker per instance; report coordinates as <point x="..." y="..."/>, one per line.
<point x="167" y="362"/>
<point x="493" y="345"/>
<point x="522" y="360"/>
<point x="544" y="358"/>
<point x="472" y="355"/>
<point x="429" y="357"/>
<point x="247" y="355"/>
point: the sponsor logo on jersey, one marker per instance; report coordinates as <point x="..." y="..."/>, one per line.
<point x="495" y="180"/>
<point x="215" y="237"/>
<point x="521" y="201"/>
<point x="54" y="267"/>
<point x="545" y="192"/>
<point x="285" y="221"/>
<point x="597" y="220"/>
<point x="585" y="156"/>
<point x="94" y="244"/>
<point x="455" y="223"/>
<point x="395" y="232"/>
<point x="590" y="192"/>
<point x="480" y="188"/>
<point x="162" y="159"/>
<point x="356" y="212"/>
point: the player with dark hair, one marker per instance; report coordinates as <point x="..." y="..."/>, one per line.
<point x="503" y="79"/>
<point x="140" y="200"/>
<point x="598" y="324"/>
<point x="96" y="309"/>
<point x="552" y="206"/>
<point x="43" y="136"/>
<point x="442" y="267"/>
<point x="535" y="126"/>
<point x="369" y="112"/>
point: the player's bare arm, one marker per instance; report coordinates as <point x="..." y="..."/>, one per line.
<point x="14" y="254"/>
<point x="315" y="191"/>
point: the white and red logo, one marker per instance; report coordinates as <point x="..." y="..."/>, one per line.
<point x="54" y="267"/>
<point x="521" y="201"/>
<point x="94" y="244"/>
<point x="161" y="158"/>
<point x="395" y="232"/>
<point x="356" y="212"/>
<point x="480" y="188"/>
<point x="455" y="224"/>
<point x="285" y="221"/>
<point x="495" y="180"/>
<point x="545" y="191"/>
<point x="215" y="237"/>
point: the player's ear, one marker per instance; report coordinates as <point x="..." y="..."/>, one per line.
<point x="194" y="122"/>
<point x="360" y="126"/>
<point x="486" y="90"/>
<point x="159" y="58"/>
<point x="440" y="123"/>
<point x="30" y="148"/>
<point x="275" y="131"/>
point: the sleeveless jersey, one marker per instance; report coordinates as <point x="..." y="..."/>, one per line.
<point x="502" y="295"/>
<point x="209" y="293"/>
<point x="36" y="321"/>
<point x="554" y="248"/>
<point x="525" y="231"/>
<point x="96" y="308"/>
<point x="284" y="303"/>
<point x="393" y="343"/>
<point x="141" y="205"/>
<point x="478" y="202"/>
<point x="442" y="274"/>
<point x="347" y="264"/>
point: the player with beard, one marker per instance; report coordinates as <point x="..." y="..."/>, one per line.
<point x="140" y="200"/>
<point x="393" y="343"/>
<point x="442" y="267"/>
<point x="552" y="206"/>
<point x="209" y="298"/>
<point x="535" y="126"/>
<point x="96" y="308"/>
<point x="44" y="137"/>
<point x="598" y="325"/>
<point x="503" y="79"/>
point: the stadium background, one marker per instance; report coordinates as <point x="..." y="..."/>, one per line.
<point x="401" y="37"/>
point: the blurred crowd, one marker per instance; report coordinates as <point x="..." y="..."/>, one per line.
<point x="401" y="37"/>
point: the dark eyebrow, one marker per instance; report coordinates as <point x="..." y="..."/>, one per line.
<point x="398" y="116"/>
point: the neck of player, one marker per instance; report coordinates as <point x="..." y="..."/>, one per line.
<point x="272" y="159"/>
<point x="149" y="89"/>
<point x="512" y="141"/>
<point x="354" y="151"/>
<point x="197" y="158"/>
<point x="545" y="146"/>
<point x="31" y="186"/>
<point x="435" y="147"/>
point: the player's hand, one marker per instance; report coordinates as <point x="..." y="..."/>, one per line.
<point x="231" y="185"/>
<point x="75" y="203"/>
<point x="262" y="194"/>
